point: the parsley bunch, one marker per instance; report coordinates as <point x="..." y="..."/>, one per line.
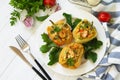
<point x="31" y="6"/>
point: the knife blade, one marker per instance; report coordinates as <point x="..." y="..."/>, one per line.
<point x="19" y="53"/>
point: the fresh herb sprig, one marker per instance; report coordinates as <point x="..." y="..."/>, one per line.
<point x="90" y="47"/>
<point x="48" y="43"/>
<point x="52" y="47"/>
<point x="31" y="6"/>
<point x="55" y="27"/>
<point x="72" y="22"/>
<point x="14" y="16"/>
<point x="54" y="55"/>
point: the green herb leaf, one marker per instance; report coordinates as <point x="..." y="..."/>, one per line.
<point x="73" y="23"/>
<point x="54" y="55"/>
<point x="76" y="21"/>
<point x="31" y="6"/>
<point x="46" y="38"/>
<point x="14" y="16"/>
<point x="12" y="23"/>
<point x="70" y="61"/>
<point x="49" y="44"/>
<point x="42" y="18"/>
<point x="45" y="48"/>
<point x="92" y="56"/>
<point x="90" y="47"/>
<point x="68" y="18"/>
<point x="56" y="29"/>
<point x="52" y="44"/>
<point x="94" y="44"/>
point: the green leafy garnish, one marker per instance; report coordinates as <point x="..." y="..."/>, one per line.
<point x="42" y="18"/>
<point x="31" y="6"/>
<point x="70" y="61"/>
<point x="90" y="47"/>
<point x="46" y="38"/>
<point x="70" y="21"/>
<point x="94" y="44"/>
<point x="48" y="43"/>
<point x="68" y="18"/>
<point x="54" y="55"/>
<point x="76" y="21"/>
<point x="56" y="29"/>
<point x="92" y="56"/>
<point x="45" y="48"/>
<point x="14" y="16"/>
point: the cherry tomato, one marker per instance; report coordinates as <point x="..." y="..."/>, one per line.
<point x="104" y="16"/>
<point x="49" y="3"/>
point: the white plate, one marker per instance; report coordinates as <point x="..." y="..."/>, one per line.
<point x="86" y="66"/>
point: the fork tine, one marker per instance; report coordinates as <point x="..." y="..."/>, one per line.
<point x="20" y="41"/>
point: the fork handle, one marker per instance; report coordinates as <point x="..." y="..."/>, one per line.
<point x="38" y="73"/>
<point x="42" y="69"/>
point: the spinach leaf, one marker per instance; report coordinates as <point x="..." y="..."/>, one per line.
<point x="76" y="21"/>
<point x="42" y="18"/>
<point x="46" y="38"/>
<point x="90" y="47"/>
<point x="45" y="48"/>
<point x="54" y="55"/>
<point x="48" y="43"/>
<point x="71" y="22"/>
<point x="68" y="18"/>
<point x="92" y="56"/>
<point x="52" y="47"/>
<point x="93" y="44"/>
<point x="52" y="44"/>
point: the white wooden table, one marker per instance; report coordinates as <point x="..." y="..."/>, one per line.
<point x="11" y="66"/>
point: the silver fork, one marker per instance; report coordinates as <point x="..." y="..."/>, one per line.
<point x="26" y="48"/>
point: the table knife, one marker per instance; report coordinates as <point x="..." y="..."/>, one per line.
<point x="19" y="53"/>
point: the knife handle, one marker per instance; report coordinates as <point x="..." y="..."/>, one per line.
<point x="42" y="69"/>
<point x="39" y="73"/>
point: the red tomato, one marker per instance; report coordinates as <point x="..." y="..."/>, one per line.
<point x="104" y="16"/>
<point x="49" y="3"/>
